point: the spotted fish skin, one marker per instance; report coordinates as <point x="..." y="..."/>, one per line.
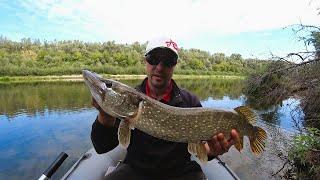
<point x="188" y="125"/>
<point x="185" y="124"/>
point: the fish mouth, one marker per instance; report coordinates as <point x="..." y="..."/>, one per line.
<point x="99" y="86"/>
<point x="96" y="84"/>
<point x="103" y="90"/>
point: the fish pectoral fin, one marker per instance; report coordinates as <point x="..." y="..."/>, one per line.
<point x="132" y="119"/>
<point x="192" y="148"/>
<point x="124" y="133"/>
<point x="257" y="143"/>
<point x="239" y="145"/>
<point x="247" y="113"/>
<point x="199" y="150"/>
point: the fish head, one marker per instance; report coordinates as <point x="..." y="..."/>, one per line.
<point x="121" y="99"/>
<point x="115" y="98"/>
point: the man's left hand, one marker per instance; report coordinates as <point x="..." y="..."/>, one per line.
<point x="219" y="145"/>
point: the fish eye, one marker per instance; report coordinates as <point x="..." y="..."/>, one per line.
<point x="108" y="84"/>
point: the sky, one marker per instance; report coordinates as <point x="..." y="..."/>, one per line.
<point x="252" y="28"/>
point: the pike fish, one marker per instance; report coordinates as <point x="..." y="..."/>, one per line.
<point x="187" y="125"/>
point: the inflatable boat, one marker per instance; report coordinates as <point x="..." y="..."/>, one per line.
<point x="95" y="166"/>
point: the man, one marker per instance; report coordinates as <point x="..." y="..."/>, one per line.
<point x="148" y="157"/>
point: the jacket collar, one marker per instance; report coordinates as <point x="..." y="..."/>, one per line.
<point x="175" y="96"/>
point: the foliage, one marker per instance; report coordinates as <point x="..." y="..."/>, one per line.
<point x="284" y="79"/>
<point x="33" y="57"/>
<point x="305" y="154"/>
<point x="265" y="89"/>
<point x="315" y="40"/>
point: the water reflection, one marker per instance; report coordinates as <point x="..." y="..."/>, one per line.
<point x="224" y="102"/>
<point x="214" y="88"/>
<point x="35" y="98"/>
<point x="284" y="116"/>
<point x="31" y="99"/>
<point x="39" y="120"/>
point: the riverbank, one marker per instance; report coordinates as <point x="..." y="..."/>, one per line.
<point x="76" y="78"/>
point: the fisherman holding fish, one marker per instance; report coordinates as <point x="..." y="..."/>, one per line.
<point x="149" y="157"/>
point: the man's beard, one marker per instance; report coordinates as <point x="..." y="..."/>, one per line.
<point x="163" y="83"/>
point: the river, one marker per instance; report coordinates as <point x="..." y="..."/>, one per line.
<point x="40" y="120"/>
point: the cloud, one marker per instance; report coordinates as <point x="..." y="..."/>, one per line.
<point x="129" y="21"/>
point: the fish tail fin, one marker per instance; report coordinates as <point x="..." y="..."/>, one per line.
<point x="257" y="142"/>
<point x="199" y="150"/>
<point x="239" y="144"/>
<point x="246" y="113"/>
<point x="124" y="133"/>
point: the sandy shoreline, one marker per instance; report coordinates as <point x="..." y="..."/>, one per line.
<point x="75" y="78"/>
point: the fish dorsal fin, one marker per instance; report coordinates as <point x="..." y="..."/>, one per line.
<point x="247" y="113"/>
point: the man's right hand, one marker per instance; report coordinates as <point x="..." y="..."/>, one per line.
<point x="104" y="118"/>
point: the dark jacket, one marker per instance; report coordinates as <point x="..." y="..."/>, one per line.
<point x="147" y="154"/>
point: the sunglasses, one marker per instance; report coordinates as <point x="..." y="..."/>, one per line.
<point x="167" y="62"/>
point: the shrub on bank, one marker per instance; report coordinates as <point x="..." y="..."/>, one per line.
<point x="305" y="154"/>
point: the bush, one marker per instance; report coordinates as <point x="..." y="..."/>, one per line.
<point x="305" y="154"/>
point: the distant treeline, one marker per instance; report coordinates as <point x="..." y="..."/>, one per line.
<point x="33" y="57"/>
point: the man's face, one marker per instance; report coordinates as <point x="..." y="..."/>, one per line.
<point x="160" y="75"/>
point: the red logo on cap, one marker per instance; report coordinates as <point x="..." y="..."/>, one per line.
<point x="173" y="44"/>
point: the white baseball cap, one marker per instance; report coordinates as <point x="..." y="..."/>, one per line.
<point x="162" y="42"/>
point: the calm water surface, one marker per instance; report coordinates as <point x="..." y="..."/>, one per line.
<point x="40" y="120"/>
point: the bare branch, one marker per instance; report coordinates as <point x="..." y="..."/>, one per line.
<point x="281" y="168"/>
<point x="293" y="66"/>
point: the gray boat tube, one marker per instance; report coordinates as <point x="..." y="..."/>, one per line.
<point x="95" y="166"/>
